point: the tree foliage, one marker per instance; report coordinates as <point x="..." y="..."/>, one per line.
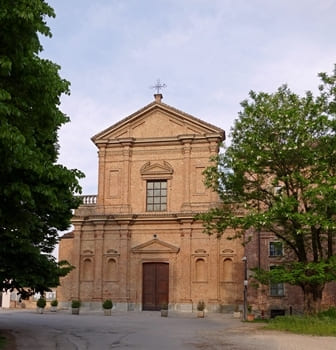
<point x="279" y="176"/>
<point x="36" y="194"/>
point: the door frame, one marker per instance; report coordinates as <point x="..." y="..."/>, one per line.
<point x="157" y="305"/>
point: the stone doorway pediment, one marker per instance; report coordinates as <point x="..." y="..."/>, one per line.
<point x="155" y="246"/>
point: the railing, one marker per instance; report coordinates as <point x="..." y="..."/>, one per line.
<point x="89" y="199"/>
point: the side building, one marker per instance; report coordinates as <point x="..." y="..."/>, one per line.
<point x="137" y="242"/>
<point x="264" y="250"/>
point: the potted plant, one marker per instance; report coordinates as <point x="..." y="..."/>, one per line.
<point x="53" y="305"/>
<point x="200" y="309"/>
<point x="164" y="310"/>
<point x="75" y="305"/>
<point x="250" y="315"/>
<point x="41" y="303"/>
<point x="236" y="312"/>
<point x="107" y="306"/>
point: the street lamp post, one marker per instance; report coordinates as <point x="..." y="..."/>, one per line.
<point x="245" y="288"/>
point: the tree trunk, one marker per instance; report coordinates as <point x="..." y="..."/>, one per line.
<point x="312" y="298"/>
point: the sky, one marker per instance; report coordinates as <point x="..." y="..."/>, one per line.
<point x="209" y="53"/>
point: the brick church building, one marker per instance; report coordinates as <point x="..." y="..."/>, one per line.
<point x="137" y="241"/>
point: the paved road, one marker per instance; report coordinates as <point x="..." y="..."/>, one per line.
<point x="147" y="331"/>
<point x="92" y="330"/>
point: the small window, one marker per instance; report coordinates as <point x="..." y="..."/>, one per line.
<point x="156" y="195"/>
<point x="275" y="249"/>
<point x="276" y="289"/>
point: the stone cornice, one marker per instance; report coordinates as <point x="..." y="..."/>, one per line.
<point x="160" y="141"/>
<point x="133" y="218"/>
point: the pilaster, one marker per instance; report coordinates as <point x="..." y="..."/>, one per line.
<point x="184" y="283"/>
<point x="213" y="149"/>
<point x="124" y="267"/>
<point x="98" y="269"/>
<point x="214" y="279"/>
<point x="186" y="141"/>
<point x="101" y="176"/>
<point x="76" y="260"/>
<point x="126" y="188"/>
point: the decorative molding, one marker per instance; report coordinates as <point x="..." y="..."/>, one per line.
<point x="155" y="246"/>
<point x="228" y="252"/>
<point x="87" y="252"/>
<point x="112" y="253"/>
<point x="162" y="170"/>
<point x="200" y="251"/>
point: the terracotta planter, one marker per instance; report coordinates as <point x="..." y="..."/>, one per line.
<point x="250" y="317"/>
<point x="75" y="310"/>
<point x="107" y="312"/>
<point x="200" y="314"/>
<point x="164" y="313"/>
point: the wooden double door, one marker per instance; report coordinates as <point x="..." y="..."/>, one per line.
<point x="155" y="286"/>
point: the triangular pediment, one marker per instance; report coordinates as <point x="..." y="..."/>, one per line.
<point x="157" y="120"/>
<point x="150" y="168"/>
<point x="155" y="246"/>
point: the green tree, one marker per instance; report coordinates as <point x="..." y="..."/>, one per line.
<point x="279" y="176"/>
<point x="36" y="194"/>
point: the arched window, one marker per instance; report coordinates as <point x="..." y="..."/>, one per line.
<point x="111" y="272"/>
<point x="87" y="269"/>
<point x="201" y="274"/>
<point x="227" y="269"/>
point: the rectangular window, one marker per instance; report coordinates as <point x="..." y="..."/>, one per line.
<point x="275" y="249"/>
<point x="156" y="195"/>
<point x="276" y="289"/>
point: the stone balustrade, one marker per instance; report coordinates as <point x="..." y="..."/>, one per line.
<point x="89" y="199"/>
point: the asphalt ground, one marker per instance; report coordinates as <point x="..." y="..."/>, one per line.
<point x="146" y="331"/>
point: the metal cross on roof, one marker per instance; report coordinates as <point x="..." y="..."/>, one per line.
<point x="158" y="86"/>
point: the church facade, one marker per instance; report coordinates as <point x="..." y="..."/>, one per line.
<point x="137" y="241"/>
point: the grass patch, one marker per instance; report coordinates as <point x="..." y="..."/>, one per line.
<point x="323" y="324"/>
<point x="2" y="342"/>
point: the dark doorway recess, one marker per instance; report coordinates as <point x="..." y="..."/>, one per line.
<point x="277" y="312"/>
<point x="155" y="285"/>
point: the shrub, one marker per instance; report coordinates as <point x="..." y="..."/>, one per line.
<point x="75" y="304"/>
<point x="201" y="305"/>
<point x="107" y="304"/>
<point x="41" y="303"/>
<point x="54" y="302"/>
<point x="331" y="313"/>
